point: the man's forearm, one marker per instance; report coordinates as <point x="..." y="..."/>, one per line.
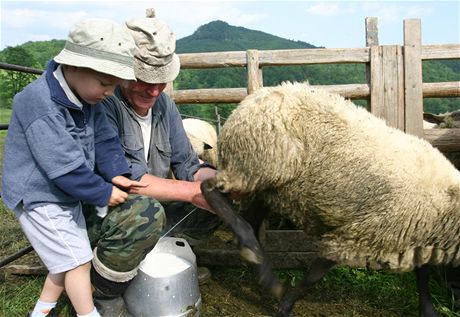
<point x="163" y="189"/>
<point x="168" y="189"/>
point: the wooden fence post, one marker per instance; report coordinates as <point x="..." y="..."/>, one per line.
<point x="413" y="80"/>
<point x="255" y="79"/>
<point x="372" y="31"/>
<point x="387" y="84"/>
<point x="372" y="39"/>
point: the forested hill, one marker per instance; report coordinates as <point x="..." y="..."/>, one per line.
<point x="220" y="36"/>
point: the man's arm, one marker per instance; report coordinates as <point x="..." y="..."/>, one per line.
<point x="164" y="189"/>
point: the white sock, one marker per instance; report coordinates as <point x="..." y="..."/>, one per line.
<point x="94" y="313"/>
<point x="42" y="309"/>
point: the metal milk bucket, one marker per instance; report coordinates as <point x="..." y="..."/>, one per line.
<point x="166" y="283"/>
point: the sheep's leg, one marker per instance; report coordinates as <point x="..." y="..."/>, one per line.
<point x="250" y="248"/>
<point x="319" y="268"/>
<point x="426" y="308"/>
<point x="254" y="214"/>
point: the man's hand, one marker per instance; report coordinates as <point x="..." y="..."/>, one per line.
<point x="199" y="200"/>
<point x="127" y="184"/>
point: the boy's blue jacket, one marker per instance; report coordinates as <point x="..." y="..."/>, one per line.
<point x="56" y="152"/>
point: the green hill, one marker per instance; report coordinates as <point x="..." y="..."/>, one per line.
<point x="43" y="51"/>
<point x="218" y="36"/>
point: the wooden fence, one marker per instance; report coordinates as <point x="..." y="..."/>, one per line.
<point x="394" y="89"/>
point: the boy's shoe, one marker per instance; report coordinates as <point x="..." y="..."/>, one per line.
<point x="52" y="313"/>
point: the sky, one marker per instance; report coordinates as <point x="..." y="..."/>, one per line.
<point x="332" y="24"/>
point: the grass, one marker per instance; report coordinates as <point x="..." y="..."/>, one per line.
<point x="5" y="115"/>
<point x="393" y="292"/>
<point x="17" y="298"/>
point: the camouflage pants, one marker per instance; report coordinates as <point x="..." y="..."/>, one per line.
<point x="130" y="231"/>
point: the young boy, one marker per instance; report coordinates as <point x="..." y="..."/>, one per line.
<point x="60" y="152"/>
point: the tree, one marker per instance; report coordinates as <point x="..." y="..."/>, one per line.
<point x="12" y="82"/>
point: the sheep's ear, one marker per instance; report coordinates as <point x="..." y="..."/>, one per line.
<point x="455" y="115"/>
<point x="432" y="118"/>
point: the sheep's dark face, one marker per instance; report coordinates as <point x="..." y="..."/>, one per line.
<point x="447" y="120"/>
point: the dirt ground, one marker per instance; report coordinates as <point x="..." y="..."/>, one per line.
<point x="235" y="292"/>
<point x="226" y="295"/>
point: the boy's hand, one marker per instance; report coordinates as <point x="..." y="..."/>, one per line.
<point x="118" y="196"/>
<point x="127" y="184"/>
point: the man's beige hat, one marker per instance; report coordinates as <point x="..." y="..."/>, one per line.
<point x="101" y="45"/>
<point x="155" y="60"/>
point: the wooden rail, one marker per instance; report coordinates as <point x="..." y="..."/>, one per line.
<point x="303" y="57"/>
<point x="284" y="248"/>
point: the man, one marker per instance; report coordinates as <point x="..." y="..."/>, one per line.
<point x="155" y="144"/>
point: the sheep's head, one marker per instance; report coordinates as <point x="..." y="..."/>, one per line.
<point x="446" y="120"/>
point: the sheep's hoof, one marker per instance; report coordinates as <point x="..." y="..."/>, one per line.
<point x="282" y="314"/>
<point x="277" y="291"/>
<point x="269" y="281"/>
<point x="250" y="256"/>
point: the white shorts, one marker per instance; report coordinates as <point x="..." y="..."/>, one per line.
<point x="58" y="235"/>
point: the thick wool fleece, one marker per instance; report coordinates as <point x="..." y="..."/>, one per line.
<point x="366" y="193"/>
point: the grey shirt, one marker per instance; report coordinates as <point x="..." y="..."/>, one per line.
<point x="170" y="149"/>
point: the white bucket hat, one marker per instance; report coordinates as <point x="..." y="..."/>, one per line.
<point x="101" y="45"/>
<point x="155" y="60"/>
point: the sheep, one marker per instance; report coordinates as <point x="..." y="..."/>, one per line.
<point x="445" y="120"/>
<point x="366" y="194"/>
<point x="203" y="137"/>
